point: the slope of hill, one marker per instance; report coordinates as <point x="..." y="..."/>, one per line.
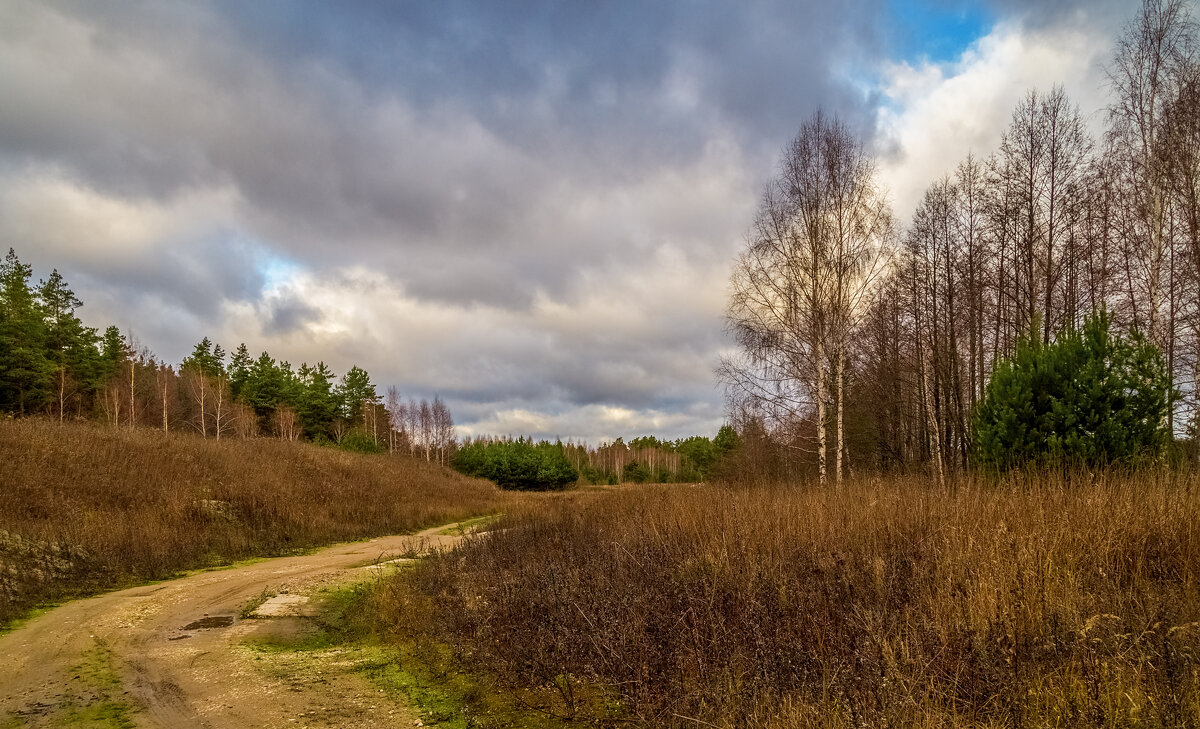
<point x="85" y="507"/>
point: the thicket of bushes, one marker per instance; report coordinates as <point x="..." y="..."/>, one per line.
<point x="880" y="604"/>
<point x="517" y="464"/>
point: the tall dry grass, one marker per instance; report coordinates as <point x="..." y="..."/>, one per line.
<point x="885" y="603"/>
<point x="86" y="507"/>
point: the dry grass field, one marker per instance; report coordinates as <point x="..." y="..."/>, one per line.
<point x="85" y="507"/>
<point x="886" y="603"/>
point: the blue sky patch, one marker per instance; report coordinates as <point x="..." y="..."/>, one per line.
<point x="934" y="30"/>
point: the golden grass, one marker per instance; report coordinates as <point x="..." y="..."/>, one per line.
<point x="885" y="603"/>
<point x="85" y="507"/>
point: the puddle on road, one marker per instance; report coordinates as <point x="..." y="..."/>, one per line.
<point x="216" y="621"/>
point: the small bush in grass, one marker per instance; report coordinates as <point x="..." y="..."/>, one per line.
<point x="1092" y="397"/>
<point x="359" y="442"/>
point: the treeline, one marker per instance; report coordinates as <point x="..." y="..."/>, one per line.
<point x="51" y="363"/>
<point x="519" y="464"/>
<point x="866" y="345"/>
<point x="522" y="463"/>
<point x="647" y="459"/>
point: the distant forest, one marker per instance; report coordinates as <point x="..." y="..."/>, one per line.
<point x="51" y="363"/>
<point x="868" y="345"/>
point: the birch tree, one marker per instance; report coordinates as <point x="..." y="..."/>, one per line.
<point x="799" y="285"/>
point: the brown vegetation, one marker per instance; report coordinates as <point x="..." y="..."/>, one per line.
<point x="885" y="603"/>
<point x="85" y="507"/>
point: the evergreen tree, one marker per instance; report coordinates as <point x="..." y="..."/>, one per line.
<point x="263" y="387"/>
<point x="700" y="454"/>
<point x="290" y="387"/>
<point x="518" y="464"/>
<point x="26" y="371"/>
<point x="317" y="405"/>
<point x="239" y="370"/>
<point x="113" y="353"/>
<point x="70" y="346"/>
<point x="1090" y="398"/>
<point x="726" y="440"/>
<point x="354" y="390"/>
<point x="206" y="359"/>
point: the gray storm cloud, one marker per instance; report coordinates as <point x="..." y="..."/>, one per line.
<point x="529" y="208"/>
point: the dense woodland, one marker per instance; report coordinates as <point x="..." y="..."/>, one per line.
<point x="51" y="363"/>
<point x="868" y="344"/>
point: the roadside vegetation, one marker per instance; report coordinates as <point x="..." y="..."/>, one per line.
<point x="412" y="670"/>
<point x="86" y="507"/>
<point x="1033" y="602"/>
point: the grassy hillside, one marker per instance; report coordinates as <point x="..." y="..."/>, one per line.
<point x="85" y="507"/>
<point x="881" y="604"/>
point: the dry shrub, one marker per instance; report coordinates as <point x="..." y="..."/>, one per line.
<point x="883" y="603"/>
<point x="86" y="507"/>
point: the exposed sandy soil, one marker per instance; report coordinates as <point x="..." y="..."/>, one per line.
<point x="177" y="650"/>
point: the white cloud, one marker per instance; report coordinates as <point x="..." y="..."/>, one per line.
<point x="935" y="114"/>
<point x="596" y="424"/>
<point x="64" y="220"/>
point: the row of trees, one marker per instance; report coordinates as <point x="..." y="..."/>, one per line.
<point x="525" y="464"/>
<point x="518" y="464"/>
<point x="835" y="306"/>
<point x="649" y="459"/>
<point x="51" y="363"/>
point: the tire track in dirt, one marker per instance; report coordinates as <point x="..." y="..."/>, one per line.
<point x="174" y="650"/>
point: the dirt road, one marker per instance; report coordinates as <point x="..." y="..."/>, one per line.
<point x="174" y="654"/>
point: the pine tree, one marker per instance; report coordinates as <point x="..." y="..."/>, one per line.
<point x="239" y="370"/>
<point x="26" y="371"/>
<point x="355" y="390"/>
<point x="70" y="346"/>
<point x="1090" y="398"/>
<point x="317" y="405"/>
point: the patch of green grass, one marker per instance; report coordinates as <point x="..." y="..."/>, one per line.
<point x="96" y="701"/>
<point x="99" y="715"/>
<point x="335" y="625"/>
<point x="425" y="677"/>
<point x="447" y="694"/>
<point x="470" y="525"/>
<point x="30" y="615"/>
<point x="254" y="603"/>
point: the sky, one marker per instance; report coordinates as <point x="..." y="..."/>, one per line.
<point x="530" y="208"/>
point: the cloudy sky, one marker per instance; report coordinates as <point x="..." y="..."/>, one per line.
<point x="527" y="207"/>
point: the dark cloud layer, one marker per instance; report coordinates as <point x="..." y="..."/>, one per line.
<point x="369" y="181"/>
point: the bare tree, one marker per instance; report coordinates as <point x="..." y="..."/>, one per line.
<point x="287" y="422"/>
<point x="443" y="429"/>
<point x="1143" y="74"/>
<point x="395" y="413"/>
<point x="1043" y="157"/>
<point x="801" y="284"/>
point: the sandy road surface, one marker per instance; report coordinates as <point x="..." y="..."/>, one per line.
<point x="176" y="653"/>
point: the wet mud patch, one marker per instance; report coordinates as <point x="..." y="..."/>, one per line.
<point x="207" y="622"/>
